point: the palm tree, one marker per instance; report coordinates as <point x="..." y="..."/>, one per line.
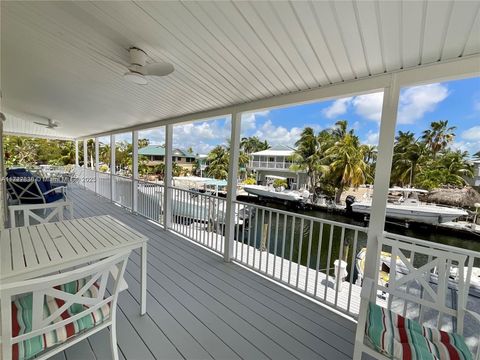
<point x="346" y="163"/>
<point x="409" y="155"/>
<point x="218" y="160"/>
<point x="439" y="136"/>
<point x="253" y="144"/>
<point x="458" y="166"/>
<point x="307" y="155"/>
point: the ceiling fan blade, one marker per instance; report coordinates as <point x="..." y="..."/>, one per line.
<point x="158" y="69"/>
<point x="39" y="123"/>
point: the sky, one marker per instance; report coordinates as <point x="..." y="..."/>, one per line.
<point x="456" y="101"/>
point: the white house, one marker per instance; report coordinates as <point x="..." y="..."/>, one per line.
<point x="276" y="161"/>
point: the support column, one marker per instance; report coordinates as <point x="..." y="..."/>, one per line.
<point x="167" y="179"/>
<point x="382" y="177"/>
<point x="232" y="185"/>
<point x="76" y="153"/>
<point x="85" y="162"/>
<point x="112" y="167"/>
<point x="134" y="171"/>
<point x="3" y="189"/>
<point x="97" y="167"/>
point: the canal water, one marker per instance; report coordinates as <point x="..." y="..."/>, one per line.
<point x="293" y="237"/>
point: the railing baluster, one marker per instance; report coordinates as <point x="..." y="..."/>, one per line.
<point x="300" y="245"/>
<point x="275" y="245"/>
<point x="340" y="257"/>
<point x="319" y="253"/>
<point x="262" y="226"/>
<point x="352" y="266"/>
<point x="327" y="270"/>
<point x="267" y="243"/>
<point x="292" y="240"/>
<point x="285" y="221"/>
<point x="255" y="238"/>
<point x="310" y="234"/>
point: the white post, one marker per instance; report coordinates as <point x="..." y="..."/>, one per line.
<point x="134" y="170"/>
<point x="232" y="185"/>
<point x="167" y="179"/>
<point x="382" y="177"/>
<point x="112" y="167"/>
<point x="76" y="153"/>
<point x="85" y="162"/>
<point x="97" y="166"/>
<point x="3" y="189"/>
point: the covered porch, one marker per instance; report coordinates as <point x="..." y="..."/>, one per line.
<point x="219" y="291"/>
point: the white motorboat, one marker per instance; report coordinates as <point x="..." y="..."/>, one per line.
<point x="270" y="192"/>
<point x="409" y="208"/>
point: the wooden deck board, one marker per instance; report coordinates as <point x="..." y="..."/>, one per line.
<point x="199" y="307"/>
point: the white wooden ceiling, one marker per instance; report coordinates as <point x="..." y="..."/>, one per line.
<point x="59" y="58"/>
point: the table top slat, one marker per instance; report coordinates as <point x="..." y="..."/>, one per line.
<point x="86" y="242"/>
<point x="5" y="252"/>
<point x="91" y="232"/>
<point x="77" y="245"/>
<point x="17" y="250"/>
<point x="107" y="226"/>
<point x="38" y="244"/>
<point x="65" y="249"/>
<point x="50" y="246"/>
<point x="28" y="249"/>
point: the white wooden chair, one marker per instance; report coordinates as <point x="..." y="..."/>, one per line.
<point x="417" y="304"/>
<point x="60" y="310"/>
<point x="40" y="213"/>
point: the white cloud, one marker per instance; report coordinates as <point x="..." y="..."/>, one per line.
<point x="369" y="106"/>
<point x="278" y="134"/>
<point x="418" y="100"/>
<point x="249" y="120"/>
<point x="472" y="134"/>
<point x="338" y="107"/>
<point x="472" y="147"/>
<point x="371" y="138"/>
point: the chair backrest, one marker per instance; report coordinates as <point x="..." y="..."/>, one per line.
<point x="425" y="281"/>
<point x="33" y="214"/>
<point x="27" y="188"/>
<point x="49" y="287"/>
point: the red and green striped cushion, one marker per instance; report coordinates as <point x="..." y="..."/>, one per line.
<point x="401" y="338"/>
<point x="22" y="320"/>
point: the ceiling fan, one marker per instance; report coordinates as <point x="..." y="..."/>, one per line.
<point x="138" y="70"/>
<point x="51" y="124"/>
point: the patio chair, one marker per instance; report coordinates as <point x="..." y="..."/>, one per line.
<point x="25" y="188"/>
<point x="428" y="327"/>
<point x="42" y="317"/>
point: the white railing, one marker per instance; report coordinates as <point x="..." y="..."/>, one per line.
<point x="89" y="179"/>
<point x="122" y="190"/>
<point x="301" y="251"/>
<point x="150" y="200"/>
<point x="104" y="184"/>
<point x="199" y="217"/>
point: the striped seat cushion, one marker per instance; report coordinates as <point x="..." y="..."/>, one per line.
<point x="22" y="320"/>
<point x="401" y="338"/>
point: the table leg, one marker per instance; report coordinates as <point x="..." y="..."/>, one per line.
<point x="143" y="295"/>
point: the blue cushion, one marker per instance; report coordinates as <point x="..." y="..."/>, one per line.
<point x="53" y="196"/>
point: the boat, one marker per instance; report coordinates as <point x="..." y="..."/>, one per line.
<point x="409" y="208"/>
<point x="277" y="194"/>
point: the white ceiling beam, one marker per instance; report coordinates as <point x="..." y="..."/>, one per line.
<point x="440" y="71"/>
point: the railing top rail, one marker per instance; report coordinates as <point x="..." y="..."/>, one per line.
<point x="198" y="193"/>
<point x="432" y="245"/>
<point x="122" y="176"/>
<point x="306" y="217"/>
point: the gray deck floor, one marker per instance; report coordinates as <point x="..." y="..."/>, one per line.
<point x="199" y="307"/>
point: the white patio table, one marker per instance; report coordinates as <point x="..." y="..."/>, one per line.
<point x="31" y="251"/>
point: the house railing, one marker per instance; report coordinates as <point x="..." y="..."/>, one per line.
<point x="318" y="257"/>
<point x="199" y="217"/>
<point x="311" y="255"/>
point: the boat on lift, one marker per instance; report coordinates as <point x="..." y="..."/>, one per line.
<point x="409" y="208"/>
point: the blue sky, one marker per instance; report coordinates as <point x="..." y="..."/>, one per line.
<point x="455" y="101"/>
